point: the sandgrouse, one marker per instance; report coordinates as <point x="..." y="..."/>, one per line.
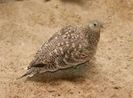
<point x="70" y="47"/>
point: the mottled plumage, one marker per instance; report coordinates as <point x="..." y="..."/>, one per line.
<point x="69" y="47"/>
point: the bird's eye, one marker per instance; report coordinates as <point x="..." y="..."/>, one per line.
<point x="95" y="24"/>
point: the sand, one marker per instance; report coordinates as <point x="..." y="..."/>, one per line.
<point x="26" y="24"/>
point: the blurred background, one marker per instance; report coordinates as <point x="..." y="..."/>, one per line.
<point x="26" y="24"/>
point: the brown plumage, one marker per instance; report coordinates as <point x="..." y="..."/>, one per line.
<point x="69" y="47"/>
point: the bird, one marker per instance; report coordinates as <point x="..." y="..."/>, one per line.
<point x="69" y="47"/>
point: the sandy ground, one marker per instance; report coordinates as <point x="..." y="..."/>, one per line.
<point x="26" y="24"/>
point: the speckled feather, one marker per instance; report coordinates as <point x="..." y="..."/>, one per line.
<point x="69" y="47"/>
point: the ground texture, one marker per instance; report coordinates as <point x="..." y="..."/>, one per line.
<point x="26" y="24"/>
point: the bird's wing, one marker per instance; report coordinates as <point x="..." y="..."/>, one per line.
<point x="75" y="49"/>
<point x="72" y="58"/>
<point x="66" y="29"/>
<point x="48" y="51"/>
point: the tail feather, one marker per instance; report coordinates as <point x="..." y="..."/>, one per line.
<point x="32" y="70"/>
<point x="28" y="73"/>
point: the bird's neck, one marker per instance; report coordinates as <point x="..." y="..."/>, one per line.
<point x="92" y="38"/>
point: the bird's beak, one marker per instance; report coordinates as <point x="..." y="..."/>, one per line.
<point x="102" y="25"/>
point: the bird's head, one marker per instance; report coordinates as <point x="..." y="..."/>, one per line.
<point x="95" y="25"/>
<point x="93" y="29"/>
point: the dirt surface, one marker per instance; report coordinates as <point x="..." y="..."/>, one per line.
<point x="26" y="24"/>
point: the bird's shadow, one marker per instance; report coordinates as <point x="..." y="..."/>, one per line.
<point x="78" y="74"/>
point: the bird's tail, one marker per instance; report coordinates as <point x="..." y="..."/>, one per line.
<point x="29" y="73"/>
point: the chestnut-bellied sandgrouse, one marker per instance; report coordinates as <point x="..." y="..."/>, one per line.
<point x="69" y="47"/>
